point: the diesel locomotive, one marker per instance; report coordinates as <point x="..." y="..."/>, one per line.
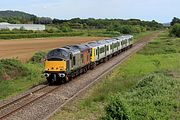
<point x="63" y="64"/>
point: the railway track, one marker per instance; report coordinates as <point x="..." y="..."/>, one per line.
<point x="13" y="106"/>
<point x="48" y="100"/>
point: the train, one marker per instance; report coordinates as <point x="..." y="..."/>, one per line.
<point x="65" y="63"/>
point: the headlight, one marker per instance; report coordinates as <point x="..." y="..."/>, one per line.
<point x="61" y="75"/>
<point x="46" y="74"/>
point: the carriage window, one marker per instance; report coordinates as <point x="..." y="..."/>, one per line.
<point x="102" y="49"/>
<point x="74" y="61"/>
<point x="107" y="48"/>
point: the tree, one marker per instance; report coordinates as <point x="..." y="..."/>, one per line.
<point x="175" y="30"/>
<point x="43" y="20"/>
<point x="175" y="20"/>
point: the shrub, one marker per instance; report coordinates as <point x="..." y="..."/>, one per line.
<point x="11" y="68"/>
<point x="154" y="97"/>
<point x="175" y="30"/>
<point x="38" y="57"/>
<point x="127" y="29"/>
<point x="117" y="109"/>
<point x="66" y="29"/>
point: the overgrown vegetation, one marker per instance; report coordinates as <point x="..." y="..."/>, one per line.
<point x="16" y="76"/>
<point x="174" y="21"/>
<point x="38" y="57"/>
<point x="11" y="69"/>
<point x="175" y="30"/>
<point x="144" y="87"/>
<point x="152" y="98"/>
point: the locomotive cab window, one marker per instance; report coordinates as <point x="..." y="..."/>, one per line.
<point x="57" y="54"/>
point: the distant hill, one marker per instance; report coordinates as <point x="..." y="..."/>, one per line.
<point x="16" y="17"/>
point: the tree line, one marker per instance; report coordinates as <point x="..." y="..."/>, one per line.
<point x="110" y="25"/>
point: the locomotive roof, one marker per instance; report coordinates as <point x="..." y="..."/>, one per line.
<point x="58" y="53"/>
<point x="71" y="48"/>
<point x="82" y="47"/>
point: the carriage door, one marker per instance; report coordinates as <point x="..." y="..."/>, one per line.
<point x="71" y="61"/>
<point x="98" y="52"/>
<point x="105" y="49"/>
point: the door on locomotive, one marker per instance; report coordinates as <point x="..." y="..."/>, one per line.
<point x="85" y="54"/>
<point x="75" y="57"/>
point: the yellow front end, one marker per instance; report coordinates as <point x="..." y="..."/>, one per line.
<point x="55" y="66"/>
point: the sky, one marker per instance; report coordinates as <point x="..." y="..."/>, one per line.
<point x="160" y="10"/>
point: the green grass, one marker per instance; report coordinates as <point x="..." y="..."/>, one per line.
<point x="31" y="76"/>
<point x="154" y="97"/>
<point x="141" y="35"/>
<point x="153" y="59"/>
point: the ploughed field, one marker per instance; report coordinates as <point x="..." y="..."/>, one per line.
<point x="25" y="48"/>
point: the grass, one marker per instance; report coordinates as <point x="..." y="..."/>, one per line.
<point x="154" y="97"/>
<point x="20" y="82"/>
<point x="158" y="59"/>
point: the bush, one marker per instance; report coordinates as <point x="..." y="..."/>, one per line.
<point x="154" y="97"/>
<point x="175" y="30"/>
<point x="66" y="28"/>
<point x="38" y="57"/>
<point x="127" y="29"/>
<point x="117" y="109"/>
<point x="11" y="68"/>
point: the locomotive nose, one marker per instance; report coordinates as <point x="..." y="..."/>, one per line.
<point x="55" y="66"/>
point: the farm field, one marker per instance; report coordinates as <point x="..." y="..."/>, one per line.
<point x="144" y="87"/>
<point x="25" y="48"/>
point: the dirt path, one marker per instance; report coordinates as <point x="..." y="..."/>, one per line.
<point x="24" y="48"/>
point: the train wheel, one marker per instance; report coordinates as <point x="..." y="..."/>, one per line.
<point x="50" y="82"/>
<point x="69" y="77"/>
